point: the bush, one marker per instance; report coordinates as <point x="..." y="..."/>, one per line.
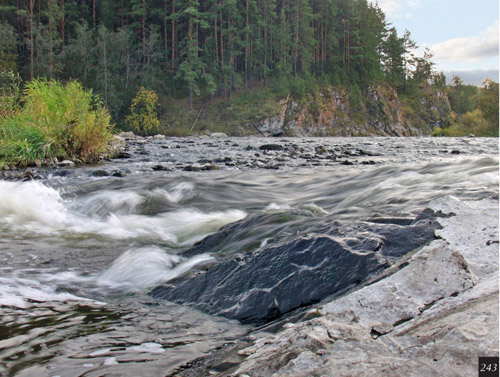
<point x="297" y="87"/>
<point x="62" y="121"/>
<point x="143" y="116"/>
<point x="469" y="123"/>
<point x="10" y="93"/>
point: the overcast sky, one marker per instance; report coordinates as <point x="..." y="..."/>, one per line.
<point x="462" y="34"/>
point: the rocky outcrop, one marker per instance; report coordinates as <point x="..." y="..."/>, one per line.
<point x="434" y="317"/>
<point x="378" y="111"/>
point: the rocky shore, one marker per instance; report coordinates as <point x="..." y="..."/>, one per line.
<point x="434" y="316"/>
<point x="159" y="154"/>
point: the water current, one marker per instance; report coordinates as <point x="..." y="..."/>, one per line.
<point x="81" y="248"/>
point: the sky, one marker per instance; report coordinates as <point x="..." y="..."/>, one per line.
<point x="462" y="34"/>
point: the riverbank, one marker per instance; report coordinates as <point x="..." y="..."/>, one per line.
<point x="379" y="110"/>
<point x="435" y="316"/>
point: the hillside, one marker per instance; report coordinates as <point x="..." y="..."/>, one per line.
<point x="330" y="111"/>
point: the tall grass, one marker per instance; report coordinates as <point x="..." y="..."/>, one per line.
<point x="56" y="120"/>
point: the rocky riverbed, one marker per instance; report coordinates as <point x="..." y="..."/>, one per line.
<point x="253" y="257"/>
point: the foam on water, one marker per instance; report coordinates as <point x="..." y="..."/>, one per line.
<point x="180" y="227"/>
<point x="312" y="208"/>
<point x="141" y="268"/>
<point x="31" y="203"/>
<point x="278" y="207"/>
<point x="122" y="202"/>
<point x="135" y="270"/>
<point x="24" y="293"/>
<point x="31" y="207"/>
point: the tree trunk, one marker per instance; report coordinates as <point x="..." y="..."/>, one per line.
<point x="122" y="11"/>
<point x="265" y="44"/>
<point x="173" y="32"/>
<point x="62" y="23"/>
<point x="191" y="96"/>
<point x="32" y="53"/>
<point x="231" y="56"/>
<point x="165" y="34"/>
<point x="144" y="28"/>
<point x="172" y="60"/>
<point x="49" y="8"/>
<point x="246" y="47"/>
<point x="296" y="57"/>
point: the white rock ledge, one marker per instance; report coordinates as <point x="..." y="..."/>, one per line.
<point x="434" y="317"/>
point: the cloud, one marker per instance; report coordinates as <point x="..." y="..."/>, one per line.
<point x="473" y="77"/>
<point x="396" y="9"/>
<point x="468" y="49"/>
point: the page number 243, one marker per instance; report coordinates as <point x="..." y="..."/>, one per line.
<point x="488" y="367"/>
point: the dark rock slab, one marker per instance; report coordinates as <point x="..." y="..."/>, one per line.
<point x="270" y="282"/>
<point x="265" y="283"/>
<point x="271" y="147"/>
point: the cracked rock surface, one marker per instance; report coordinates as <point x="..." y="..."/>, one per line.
<point x="434" y="317"/>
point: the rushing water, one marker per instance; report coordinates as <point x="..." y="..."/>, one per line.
<point x="80" y="250"/>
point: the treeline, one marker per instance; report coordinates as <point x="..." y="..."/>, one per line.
<point x="213" y="47"/>
<point x="474" y="109"/>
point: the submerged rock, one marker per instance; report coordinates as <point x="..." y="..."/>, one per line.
<point x="100" y="173"/>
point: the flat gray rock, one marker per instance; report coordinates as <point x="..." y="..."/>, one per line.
<point x="434" y="317"/>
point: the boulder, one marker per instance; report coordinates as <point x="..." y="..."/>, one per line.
<point x="100" y="173"/>
<point x="127" y="135"/>
<point x="271" y="147"/>
<point x="263" y="285"/>
<point x="268" y="282"/>
<point x="116" y="146"/>
<point x="66" y="163"/>
<point x="218" y="135"/>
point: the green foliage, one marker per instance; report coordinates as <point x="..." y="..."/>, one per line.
<point x="193" y="48"/>
<point x="143" y="117"/>
<point x="488" y="101"/>
<point x="297" y="87"/>
<point x="471" y="123"/>
<point x="10" y="92"/>
<point x="463" y="98"/>
<point x="62" y="121"/>
<point x="355" y="98"/>
<point x="218" y="49"/>
<point x="8" y="47"/>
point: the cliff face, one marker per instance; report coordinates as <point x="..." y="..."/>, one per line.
<point x="380" y="111"/>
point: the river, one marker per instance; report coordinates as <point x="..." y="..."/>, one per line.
<point x="82" y="248"/>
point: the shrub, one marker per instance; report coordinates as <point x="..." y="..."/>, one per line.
<point x="143" y="116"/>
<point x="62" y="121"/>
<point x="10" y="93"/>
<point x="297" y="87"/>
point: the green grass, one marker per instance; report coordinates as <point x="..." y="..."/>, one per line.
<point x="234" y="116"/>
<point x="56" y="120"/>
